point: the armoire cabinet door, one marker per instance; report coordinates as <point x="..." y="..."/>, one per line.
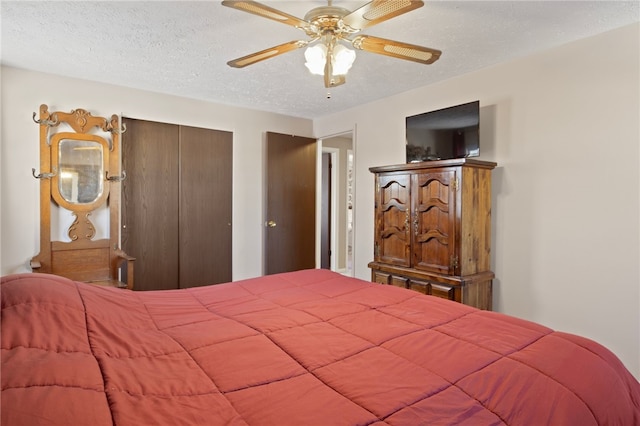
<point x="393" y="238"/>
<point x="434" y="221"/>
<point x="177" y="205"/>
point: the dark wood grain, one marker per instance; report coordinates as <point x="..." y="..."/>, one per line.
<point x="205" y="206"/>
<point x="150" y="202"/>
<point x="291" y="200"/>
<point x="177" y="206"/>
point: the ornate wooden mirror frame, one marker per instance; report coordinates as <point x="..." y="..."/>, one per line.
<point x="80" y="173"/>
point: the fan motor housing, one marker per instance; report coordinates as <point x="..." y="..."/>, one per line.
<point x="326" y="18"/>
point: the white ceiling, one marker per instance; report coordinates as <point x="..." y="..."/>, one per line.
<point x="181" y="47"/>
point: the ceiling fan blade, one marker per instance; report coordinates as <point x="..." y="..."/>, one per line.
<point x="378" y="11"/>
<point x="266" y="54"/>
<point x="266" y="12"/>
<point x="397" y="49"/>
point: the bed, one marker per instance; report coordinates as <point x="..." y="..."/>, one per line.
<point x="303" y="348"/>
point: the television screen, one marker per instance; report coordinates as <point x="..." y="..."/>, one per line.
<point x="444" y="134"/>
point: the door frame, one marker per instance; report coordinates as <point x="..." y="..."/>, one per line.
<point x="333" y="215"/>
<point x="346" y="133"/>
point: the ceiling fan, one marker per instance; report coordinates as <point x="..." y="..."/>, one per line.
<point x="329" y="26"/>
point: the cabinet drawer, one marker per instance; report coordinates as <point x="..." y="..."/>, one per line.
<point x="380" y="277"/>
<point x="444" y="291"/>
<point x="420" y="286"/>
<point x="473" y="290"/>
<point x="399" y="281"/>
<point x="439" y="290"/>
<point x="383" y="278"/>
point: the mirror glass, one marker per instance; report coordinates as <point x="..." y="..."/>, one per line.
<point x="81" y="170"/>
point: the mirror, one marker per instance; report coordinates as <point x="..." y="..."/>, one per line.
<point x="81" y="171"/>
<point x="80" y="162"/>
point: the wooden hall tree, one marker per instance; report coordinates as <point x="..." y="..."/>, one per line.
<point x="80" y="178"/>
<point x="177" y="204"/>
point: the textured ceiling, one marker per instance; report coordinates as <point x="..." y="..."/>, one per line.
<point x="181" y="47"/>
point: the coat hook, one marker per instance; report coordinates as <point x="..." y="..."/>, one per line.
<point x="115" y="178"/>
<point x="44" y="175"/>
<point x="45" y="122"/>
<point x="116" y="126"/>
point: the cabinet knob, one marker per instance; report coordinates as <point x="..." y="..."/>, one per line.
<point x="271" y="224"/>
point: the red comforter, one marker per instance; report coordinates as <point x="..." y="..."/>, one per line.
<point x="303" y="348"/>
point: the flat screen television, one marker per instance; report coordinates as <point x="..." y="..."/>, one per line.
<point x="444" y="134"/>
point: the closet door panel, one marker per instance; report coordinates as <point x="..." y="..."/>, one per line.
<point x="150" y="208"/>
<point x="205" y="206"/>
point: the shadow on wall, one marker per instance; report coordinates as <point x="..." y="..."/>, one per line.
<point x="512" y="221"/>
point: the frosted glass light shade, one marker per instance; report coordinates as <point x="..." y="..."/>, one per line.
<point x="316" y="57"/>
<point x="342" y="59"/>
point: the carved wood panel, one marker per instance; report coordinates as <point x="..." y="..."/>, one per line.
<point x="393" y="219"/>
<point x="434" y="220"/>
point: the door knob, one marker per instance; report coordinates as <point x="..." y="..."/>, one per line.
<point x="271" y="224"/>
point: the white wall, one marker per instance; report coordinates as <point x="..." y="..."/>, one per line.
<point x="22" y="94"/>
<point x="563" y="127"/>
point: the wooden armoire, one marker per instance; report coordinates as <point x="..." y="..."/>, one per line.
<point x="433" y="229"/>
<point x="177" y="204"/>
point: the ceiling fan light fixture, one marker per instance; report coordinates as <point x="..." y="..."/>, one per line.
<point x="316" y="56"/>
<point x="332" y="27"/>
<point x="342" y="59"/>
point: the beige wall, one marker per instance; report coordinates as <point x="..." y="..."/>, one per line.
<point x="24" y="91"/>
<point x="563" y="126"/>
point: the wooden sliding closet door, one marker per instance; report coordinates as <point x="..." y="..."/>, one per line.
<point x="205" y="206"/>
<point x="150" y="157"/>
<point x="177" y="204"/>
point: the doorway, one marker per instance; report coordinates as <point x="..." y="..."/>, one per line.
<point x="339" y="227"/>
<point x="328" y="232"/>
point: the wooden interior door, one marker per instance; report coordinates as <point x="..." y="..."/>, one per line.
<point x="205" y="206"/>
<point x="149" y="202"/>
<point x="291" y="203"/>
<point x="177" y="204"/>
